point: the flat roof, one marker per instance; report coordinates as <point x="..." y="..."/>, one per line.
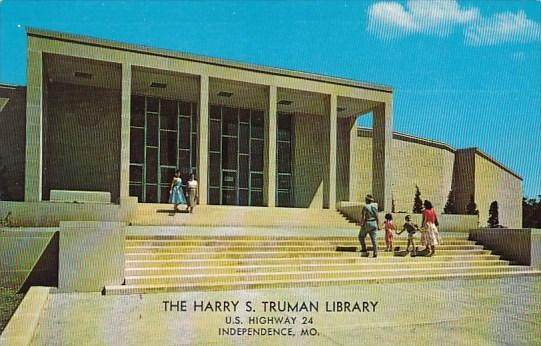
<point x="72" y="38"/>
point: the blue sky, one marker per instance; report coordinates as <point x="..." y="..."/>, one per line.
<point x="467" y="73"/>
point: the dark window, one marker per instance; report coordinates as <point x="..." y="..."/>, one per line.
<point x="244" y="139"/>
<point x="229" y="197"/>
<point x="229" y="122"/>
<point x="168" y="115"/>
<point x="215" y="112"/>
<point x="257" y="180"/>
<point x="214" y="195"/>
<point x="137" y="144"/>
<point x="152" y="165"/>
<point x="284" y="127"/>
<point x="244" y="171"/>
<point x="243" y="197"/>
<point x="284" y="199"/>
<point x="194" y="150"/>
<point x="151" y="194"/>
<point x="215" y="135"/>
<point x="136" y="174"/>
<point x="136" y="190"/>
<point x="194" y="117"/>
<point x="184" y="108"/>
<point x="257" y="124"/>
<point x="137" y="111"/>
<point x="167" y="175"/>
<point x="164" y="194"/>
<point x="284" y="182"/>
<point x="257" y="198"/>
<point x="256" y="156"/>
<point x="184" y="133"/>
<point x="184" y="163"/>
<point x="152" y="130"/>
<point x="284" y="157"/>
<point x="214" y="169"/>
<point x="168" y="148"/>
<point x="229" y="179"/>
<point x="153" y="104"/>
<point x="244" y="115"/>
<point x="229" y="153"/>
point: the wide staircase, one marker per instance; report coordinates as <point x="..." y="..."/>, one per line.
<point x="199" y="262"/>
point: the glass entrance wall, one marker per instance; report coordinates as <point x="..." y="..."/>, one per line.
<point x="236" y="156"/>
<point x="284" y="190"/>
<point x="163" y="137"/>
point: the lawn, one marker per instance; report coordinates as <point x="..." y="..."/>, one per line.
<point x="9" y="301"/>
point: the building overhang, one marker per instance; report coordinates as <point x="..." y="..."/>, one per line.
<point x="133" y="48"/>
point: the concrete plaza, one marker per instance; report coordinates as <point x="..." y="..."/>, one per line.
<point x="454" y="312"/>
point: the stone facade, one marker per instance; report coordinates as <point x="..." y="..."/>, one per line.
<point x="437" y="169"/>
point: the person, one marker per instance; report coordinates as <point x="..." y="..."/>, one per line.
<point x="369" y="225"/>
<point x="389" y="228"/>
<point x="193" y="195"/>
<point x="411" y="228"/>
<point x="176" y="195"/>
<point x="430" y="223"/>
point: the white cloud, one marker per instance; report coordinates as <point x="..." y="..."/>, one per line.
<point x="388" y="19"/>
<point x="503" y="28"/>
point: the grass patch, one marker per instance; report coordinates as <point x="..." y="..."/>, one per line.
<point x="9" y="301"/>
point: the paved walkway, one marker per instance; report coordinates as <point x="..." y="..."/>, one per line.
<point x="457" y="312"/>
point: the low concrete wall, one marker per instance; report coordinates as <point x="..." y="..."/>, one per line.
<point x="448" y="223"/>
<point x="49" y="214"/>
<point x="521" y="246"/>
<point x="28" y="256"/>
<point x="91" y="255"/>
<point x="22" y="326"/>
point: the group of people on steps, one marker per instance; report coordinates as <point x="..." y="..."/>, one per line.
<point x="370" y="224"/>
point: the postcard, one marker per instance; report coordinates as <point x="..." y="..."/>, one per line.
<point x="270" y="172"/>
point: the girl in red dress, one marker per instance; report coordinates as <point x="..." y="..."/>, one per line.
<point x="389" y="228"/>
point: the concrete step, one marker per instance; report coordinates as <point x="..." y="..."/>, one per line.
<point x="354" y="258"/>
<point x="459" y="237"/>
<point x="292" y="275"/>
<point x="267" y="248"/>
<point x="162" y="268"/>
<point x="274" y="254"/>
<point x="233" y="243"/>
<point x="300" y="282"/>
<point x="161" y="214"/>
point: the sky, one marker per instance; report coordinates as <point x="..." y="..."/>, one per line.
<point x="466" y="73"/>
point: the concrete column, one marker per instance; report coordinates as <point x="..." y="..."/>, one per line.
<point x="270" y="169"/>
<point x="203" y="132"/>
<point x="33" y="179"/>
<point x="125" y="132"/>
<point x="333" y="123"/>
<point x="381" y="154"/>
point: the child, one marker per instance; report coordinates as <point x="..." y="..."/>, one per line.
<point x="411" y="228"/>
<point x="389" y="228"/>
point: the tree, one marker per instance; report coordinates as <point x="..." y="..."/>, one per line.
<point x="493" y="221"/>
<point x="471" y="208"/>
<point x="417" y="202"/>
<point x="450" y="207"/>
<point x="531" y="212"/>
<point x="4" y="195"/>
